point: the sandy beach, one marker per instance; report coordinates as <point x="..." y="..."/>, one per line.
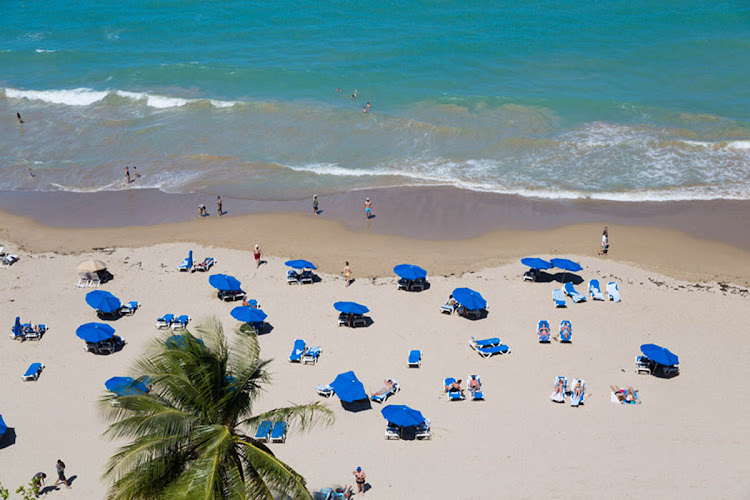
<point x="689" y="438"/>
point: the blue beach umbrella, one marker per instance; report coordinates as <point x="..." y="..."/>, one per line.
<point x="410" y="272"/>
<point x="179" y="341"/>
<point x="350" y="308"/>
<point x="348" y="388"/>
<point x="536" y="263"/>
<point x="660" y="355"/>
<point x="17" y="330"/>
<point x="300" y="264"/>
<point x="402" y="415"/>
<point x="127" y="386"/>
<point x="471" y="300"/>
<point x="103" y="301"/>
<point x="189" y="263"/>
<point x="3" y="427"/>
<point x="224" y="282"/>
<point x="248" y="314"/>
<point x="95" y="332"/>
<point x="566" y="265"/>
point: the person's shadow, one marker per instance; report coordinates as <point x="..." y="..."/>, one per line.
<point x="368" y="487"/>
<point x="261" y="262"/>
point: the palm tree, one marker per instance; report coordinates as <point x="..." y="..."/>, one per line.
<point x="187" y="434"/>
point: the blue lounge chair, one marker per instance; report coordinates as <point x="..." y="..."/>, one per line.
<point x="543" y="332"/>
<point x="292" y="277"/>
<point x="187" y="262"/>
<point x="325" y="390"/>
<point x="566" y="331"/>
<point x="577" y="400"/>
<point x="484" y="342"/>
<point x="559" y="297"/>
<point x="572" y="293"/>
<point x="486" y="352"/>
<point x="297" y="351"/>
<point x="165" y="321"/>
<point x="644" y="365"/>
<point x="33" y="372"/>
<point x="476" y="394"/>
<point x="322" y="494"/>
<point x="264" y="430"/>
<point x="423" y="430"/>
<point x="613" y="291"/>
<point x="207" y="264"/>
<point x="278" y="433"/>
<point x="33" y="332"/>
<point x="311" y="355"/>
<point x="392" y="431"/>
<point x="595" y="291"/>
<point x="559" y="397"/>
<point x="180" y="322"/>
<point x="415" y="359"/>
<point x="130" y="308"/>
<point x="452" y="395"/>
<point x="337" y="495"/>
<point x="383" y="396"/>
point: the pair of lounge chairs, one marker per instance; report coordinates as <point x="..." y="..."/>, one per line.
<point x="173" y="322"/>
<point x="271" y="432"/>
<point x="565" y="334"/>
<point x="645" y="365"/>
<point x="412" y="285"/>
<point x="488" y="347"/>
<point x="329" y="494"/>
<point x="300" y="278"/>
<point x="613" y="291"/>
<point x="130" y="308"/>
<point x="205" y="265"/>
<point x="88" y="280"/>
<point x="33" y="372"/>
<point x="303" y="354"/>
<point x="383" y="394"/>
<point x="421" y="431"/>
<point x="415" y="359"/>
<point x="452" y="394"/>
<point x="558" y="295"/>
<point x="8" y="260"/>
<point x="577" y="391"/>
<point x="106" y="346"/>
<point x="355" y="320"/>
<point x="230" y="295"/>
<point x="30" y="332"/>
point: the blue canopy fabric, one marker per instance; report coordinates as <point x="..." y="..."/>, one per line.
<point x="17" y="330"/>
<point x="103" y="301"/>
<point x="95" y="332"/>
<point x="127" y="386"/>
<point x="189" y="263"/>
<point x="471" y="300"/>
<point x="410" y="272"/>
<point x="660" y="355"/>
<point x="566" y="265"/>
<point x="536" y="263"/>
<point x="402" y="415"/>
<point x="3" y="427"/>
<point x="178" y="342"/>
<point x="300" y="264"/>
<point x="224" y="282"/>
<point x="248" y="314"/>
<point x="351" y="308"/>
<point x="348" y="388"/>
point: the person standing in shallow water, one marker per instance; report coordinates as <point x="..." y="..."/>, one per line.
<point x="219" y="206"/>
<point x="315" y="204"/>
<point x="127" y="174"/>
<point x="368" y="208"/>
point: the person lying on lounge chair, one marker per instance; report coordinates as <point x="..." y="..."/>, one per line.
<point x="578" y="390"/>
<point x="452" y="302"/>
<point x="387" y="387"/>
<point x="474" y="385"/>
<point x="544" y="331"/>
<point x="455" y="386"/>
<point x="559" y="387"/>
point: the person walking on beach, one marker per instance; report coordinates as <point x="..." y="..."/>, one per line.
<point x="315" y="204"/>
<point x="256" y="254"/>
<point x="368" y="208"/>
<point x="347" y="274"/>
<point x="61" y="474"/>
<point x="359" y="476"/>
<point x="605" y="242"/>
<point x="218" y="203"/>
<point x="127" y="174"/>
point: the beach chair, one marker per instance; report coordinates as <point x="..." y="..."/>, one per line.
<point x="180" y="322"/>
<point x="33" y="333"/>
<point x="325" y="390"/>
<point x="573" y="294"/>
<point x="264" y="430"/>
<point x="359" y="320"/>
<point x="577" y="400"/>
<point x="531" y="275"/>
<point x="558" y="297"/>
<point x="487" y="352"/>
<point x="297" y="351"/>
<point x="613" y="291"/>
<point x="595" y="291"/>
<point x="130" y="308"/>
<point x="448" y="308"/>
<point x="643" y="365"/>
<point x="229" y="295"/>
<point x="452" y="395"/>
<point x="33" y="372"/>
<point x="543" y="332"/>
<point x="323" y="494"/>
<point x="403" y="284"/>
<point x="311" y="355"/>
<point x="415" y="359"/>
<point x="477" y="395"/>
<point x="165" y="321"/>
<point x="207" y="264"/>
<point x="185" y="265"/>
<point x="559" y="397"/>
<point x="423" y="430"/>
<point x="95" y="280"/>
<point x="419" y="284"/>
<point x="8" y="260"/>
<point x="566" y="332"/>
<point x="380" y="398"/>
<point x="292" y="277"/>
<point x="278" y="433"/>
<point x="83" y="280"/>
<point x="490" y="342"/>
<point x="392" y="431"/>
<point x="306" y="277"/>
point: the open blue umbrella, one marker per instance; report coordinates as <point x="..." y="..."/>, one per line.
<point x="248" y="314"/>
<point x="95" y="332"/>
<point x="17" y="330"/>
<point x="189" y="260"/>
<point x="410" y="272"/>
<point x="402" y="415"/>
<point x="566" y="265"/>
<point x="536" y="263"/>
<point x="3" y="427"/>
<point x="348" y="388"/>
<point x="471" y="300"/>
<point x="300" y="264"/>
<point x="103" y="301"/>
<point x="180" y="341"/>
<point x="350" y="308"/>
<point x="224" y="282"/>
<point x="660" y="355"/>
<point x="127" y="386"/>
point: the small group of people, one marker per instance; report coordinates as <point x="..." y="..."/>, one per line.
<point x="40" y="477"/>
<point x="474" y="386"/>
<point x="368" y="206"/>
<point x="625" y="395"/>
<point x="202" y="212"/>
<point x="128" y="178"/>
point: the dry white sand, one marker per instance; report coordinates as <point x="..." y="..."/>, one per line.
<point x="689" y="438"/>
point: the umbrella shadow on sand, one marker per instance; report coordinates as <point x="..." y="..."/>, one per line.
<point x="8" y="439"/>
<point x="357" y="406"/>
<point x="567" y="278"/>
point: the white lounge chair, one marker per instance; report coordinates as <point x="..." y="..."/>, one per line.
<point x="8" y="260"/>
<point x="423" y="430"/>
<point x="613" y="291"/>
<point x="577" y="400"/>
<point x="392" y="431"/>
<point x="311" y="355"/>
<point x="325" y="390"/>
<point x="165" y="321"/>
<point x="559" y="297"/>
<point x="595" y="291"/>
<point x="559" y="398"/>
<point x="643" y="365"/>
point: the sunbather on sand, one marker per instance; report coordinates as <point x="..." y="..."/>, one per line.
<point x="474" y="385"/>
<point x="625" y="395"/>
<point x="455" y="386"/>
<point x="387" y="387"/>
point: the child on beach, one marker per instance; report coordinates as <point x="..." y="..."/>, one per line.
<point x="368" y="208"/>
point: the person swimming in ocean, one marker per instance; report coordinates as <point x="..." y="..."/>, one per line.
<point x="20" y="120"/>
<point x="354" y="95"/>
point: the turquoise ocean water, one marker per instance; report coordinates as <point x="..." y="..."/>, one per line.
<point x="614" y="100"/>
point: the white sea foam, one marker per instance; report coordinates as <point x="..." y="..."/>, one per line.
<point x="43" y="51"/>
<point x="86" y="97"/>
